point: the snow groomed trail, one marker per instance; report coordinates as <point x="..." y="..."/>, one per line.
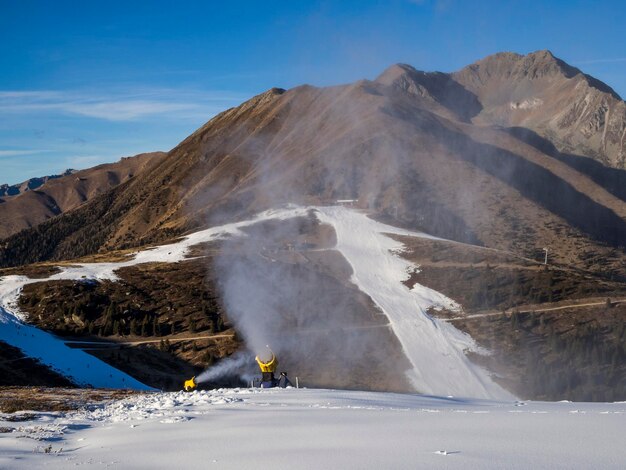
<point x="435" y="348"/>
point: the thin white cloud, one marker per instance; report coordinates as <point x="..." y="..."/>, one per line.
<point x="115" y="106"/>
<point x="33" y="95"/>
<point x="18" y="153"/>
<point x="127" y="110"/>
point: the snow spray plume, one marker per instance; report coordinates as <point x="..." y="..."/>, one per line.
<point x="282" y="283"/>
<point x="274" y="290"/>
<point x="229" y="366"/>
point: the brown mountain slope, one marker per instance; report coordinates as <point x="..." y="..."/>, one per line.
<point x="55" y="196"/>
<point x="415" y="148"/>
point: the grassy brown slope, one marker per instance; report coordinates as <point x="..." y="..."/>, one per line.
<point x="514" y="308"/>
<point x="395" y="151"/>
<point x="576" y="354"/>
<point x="158" y="302"/>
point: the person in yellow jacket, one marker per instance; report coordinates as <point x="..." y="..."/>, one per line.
<point x="267" y="371"/>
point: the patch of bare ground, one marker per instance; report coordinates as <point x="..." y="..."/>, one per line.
<point x="576" y="354"/>
<point x="117" y="256"/>
<point x="49" y="399"/>
<point x="34" y="271"/>
<point x="484" y="279"/>
<point x="151" y="302"/>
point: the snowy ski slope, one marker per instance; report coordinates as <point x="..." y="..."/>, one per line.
<point x="435" y="349"/>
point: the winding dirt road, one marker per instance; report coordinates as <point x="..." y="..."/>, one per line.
<point x="537" y="309"/>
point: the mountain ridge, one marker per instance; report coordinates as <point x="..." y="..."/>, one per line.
<point x="61" y="194"/>
<point x="380" y="142"/>
<point x="30" y="184"/>
<point x="584" y="115"/>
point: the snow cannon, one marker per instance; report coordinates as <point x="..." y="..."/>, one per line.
<point x="190" y="384"/>
<point x="267" y="363"/>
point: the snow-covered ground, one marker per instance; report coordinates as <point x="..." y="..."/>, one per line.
<point x="435" y="348"/>
<point x="312" y="429"/>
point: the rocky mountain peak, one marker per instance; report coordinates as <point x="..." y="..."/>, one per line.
<point x="436" y="87"/>
<point x="512" y="66"/>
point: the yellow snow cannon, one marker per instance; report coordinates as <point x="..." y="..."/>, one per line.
<point x="190" y="384"/>
<point x="267" y="362"/>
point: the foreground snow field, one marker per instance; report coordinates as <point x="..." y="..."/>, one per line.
<point x="312" y="429"/>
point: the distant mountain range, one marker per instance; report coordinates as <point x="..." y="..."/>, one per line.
<point x="36" y="200"/>
<point x="513" y="152"/>
<point x="29" y="184"/>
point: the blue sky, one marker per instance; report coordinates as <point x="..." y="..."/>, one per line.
<point x="89" y="82"/>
